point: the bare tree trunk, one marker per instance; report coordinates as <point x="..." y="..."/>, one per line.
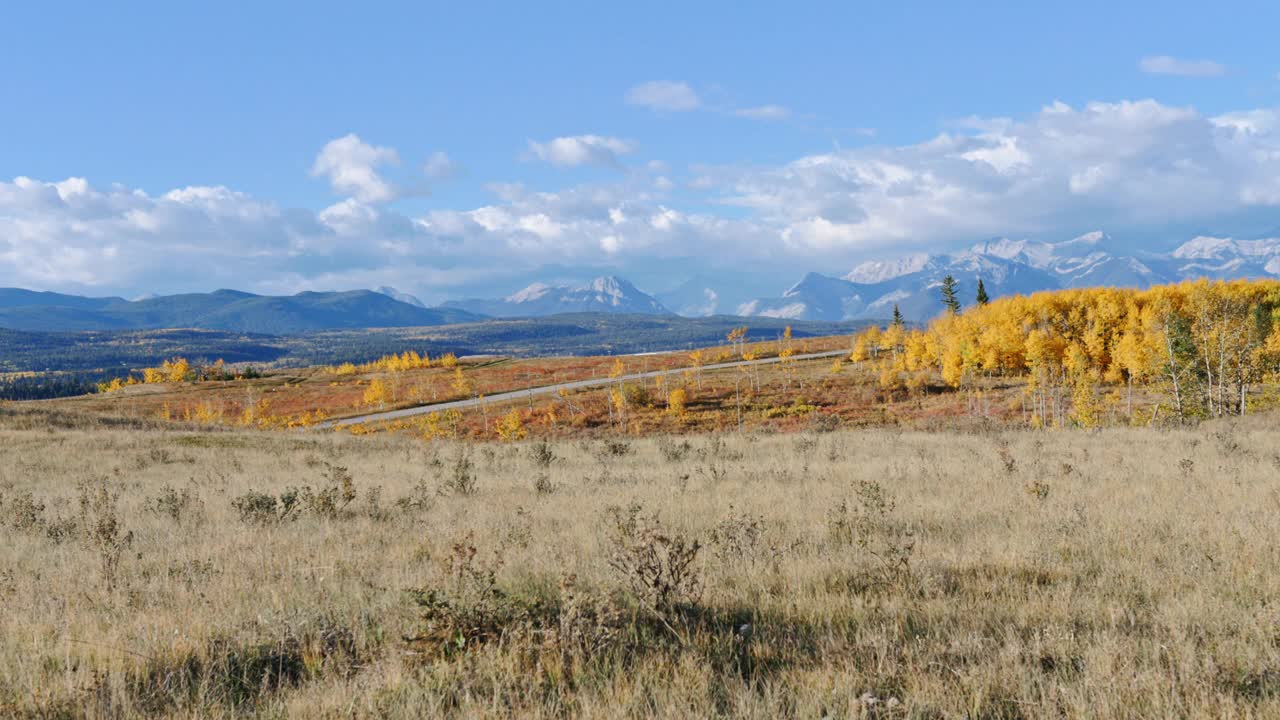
<point x="1173" y="374"/>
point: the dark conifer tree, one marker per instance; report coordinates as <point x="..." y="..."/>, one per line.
<point x="949" y="298"/>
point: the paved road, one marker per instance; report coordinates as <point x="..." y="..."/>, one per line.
<point x="550" y="390"/>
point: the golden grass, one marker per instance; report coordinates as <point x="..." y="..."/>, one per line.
<point x="1121" y="573"/>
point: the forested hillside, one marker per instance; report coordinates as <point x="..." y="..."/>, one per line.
<point x="1203" y="347"/>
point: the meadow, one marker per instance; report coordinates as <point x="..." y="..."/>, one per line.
<point x="153" y="568"/>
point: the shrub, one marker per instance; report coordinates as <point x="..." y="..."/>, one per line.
<point x="101" y="527"/>
<point x="1038" y="489"/>
<point x="636" y="396"/>
<point x="542" y="454"/>
<point x="656" y="564"/>
<point x="869" y="526"/>
<point x="330" y="500"/>
<point x="259" y="508"/>
<point x="614" y="448"/>
<point x="173" y="504"/>
<point x="470" y="610"/>
<point x="23" y="511"/>
<point x="462" y="479"/>
<point x="1007" y="460"/>
<point x="421" y="498"/>
<point x="674" y="452"/>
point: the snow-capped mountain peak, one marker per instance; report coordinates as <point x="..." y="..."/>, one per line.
<point x="529" y="294"/>
<point x="1204" y="247"/>
<point x="1012" y="266"/>
<point x="612" y="289"/>
<point x="603" y="294"/>
<point x="878" y="271"/>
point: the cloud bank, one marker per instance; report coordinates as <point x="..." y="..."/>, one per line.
<point x="1166" y="65"/>
<point x="1115" y="165"/>
<point x="582" y="150"/>
<point x="664" y="96"/>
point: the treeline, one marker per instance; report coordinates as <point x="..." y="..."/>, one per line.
<point x="46" y="386"/>
<point x="92" y="351"/>
<point x="1203" y="348"/>
<point x="179" y="370"/>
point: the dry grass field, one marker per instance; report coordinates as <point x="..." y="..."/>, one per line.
<point x="148" y="569"/>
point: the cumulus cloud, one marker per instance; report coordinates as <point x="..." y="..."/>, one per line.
<point x="581" y="150"/>
<point x="73" y="236"/>
<point x="1112" y="165"/>
<point x="351" y="165"/>
<point x="1119" y="164"/>
<point x="1166" y="65"/>
<point x="664" y="96"/>
<point x="440" y="167"/>
<point x="764" y="112"/>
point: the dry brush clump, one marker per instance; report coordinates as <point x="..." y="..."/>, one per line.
<point x="1127" y="572"/>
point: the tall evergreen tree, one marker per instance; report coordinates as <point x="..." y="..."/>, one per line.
<point x="949" y="298"/>
<point x="897" y="316"/>
<point x="983" y="297"/>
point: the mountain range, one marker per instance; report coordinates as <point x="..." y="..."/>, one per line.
<point x="869" y="291"/>
<point x="229" y="310"/>
<point x="608" y="294"/>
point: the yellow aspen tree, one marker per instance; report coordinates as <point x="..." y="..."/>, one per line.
<point x="677" y="402"/>
<point x="697" y="358"/>
<point x="176" y="370"/>
<point x="511" y="426"/>
<point x="377" y="393"/>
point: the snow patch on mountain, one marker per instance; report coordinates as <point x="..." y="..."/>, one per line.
<point x="877" y="271"/>
<point x="403" y="297"/>
<point x="603" y="294"/>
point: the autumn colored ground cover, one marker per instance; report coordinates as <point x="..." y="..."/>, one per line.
<point x="303" y="397"/>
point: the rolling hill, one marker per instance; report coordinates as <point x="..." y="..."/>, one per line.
<point x="227" y="310"/>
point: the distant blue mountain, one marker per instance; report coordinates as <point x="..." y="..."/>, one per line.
<point x="229" y="310"/>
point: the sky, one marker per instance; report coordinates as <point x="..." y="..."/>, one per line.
<point x="466" y="149"/>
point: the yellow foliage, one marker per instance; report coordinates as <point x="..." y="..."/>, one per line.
<point x="1206" y="343"/>
<point x="377" y="393"/>
<point x="462" y="384"/>
<point x="116" y="384"/>
<point x="511" y="427"/>
<point x="677" y="402"/>
<point x="176" y="370"/>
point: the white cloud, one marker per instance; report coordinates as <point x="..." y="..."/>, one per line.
<point x="581" y="150"/>
<point x="1114" y="165"/>
<point x="1166" y="65"/>
<point x="440" y="167"/>
<point x="764" y="112"/>
<point x="664" y="95"/>
<point x="351" y="165"/>
<point x="1119" y="164"/>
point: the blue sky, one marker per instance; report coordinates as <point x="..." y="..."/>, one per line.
<point x="466" y="148"/>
